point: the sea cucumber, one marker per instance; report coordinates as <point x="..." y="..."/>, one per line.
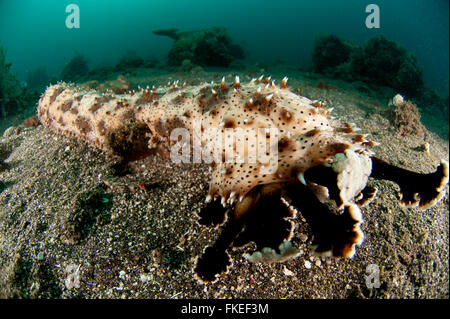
<point x="310" y="158"/>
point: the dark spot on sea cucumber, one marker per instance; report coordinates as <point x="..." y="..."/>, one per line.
<point x="312" y="133"/>
<point x="95" y="107"/>
<point x="66" y="106"/>
<point x="230" y="123"/>
<point x="55" y="94"/>
<point x="286" y="115"/>
<point x="336" y="148"/>
<point x="83" y="124"/>
<point x="101" y="127"/>
<point x="188" y="114"/>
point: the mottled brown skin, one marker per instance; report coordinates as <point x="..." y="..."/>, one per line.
<point x="307" y="134"/>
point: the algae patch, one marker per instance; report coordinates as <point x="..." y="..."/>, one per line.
<point x="91" y="208"/>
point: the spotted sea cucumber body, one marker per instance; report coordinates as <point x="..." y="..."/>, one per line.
<point x="271" y="153"/>
<point x="304" y="135"/>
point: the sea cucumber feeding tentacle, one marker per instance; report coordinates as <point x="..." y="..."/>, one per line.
<point x="270" y="151"/>
<point x="334" y="235"/>
<point x="416" y="190"/>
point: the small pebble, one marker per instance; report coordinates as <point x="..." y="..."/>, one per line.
<point x="287" y="272"/>
<point x="144" y="278"/>
<point x="303" y="237"/>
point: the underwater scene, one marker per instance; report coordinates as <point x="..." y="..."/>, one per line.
<point x="224" y="149"/>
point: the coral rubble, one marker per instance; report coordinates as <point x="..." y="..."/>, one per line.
<point x="75" y="69"/>
<point x="379" y="61"/>
<point x="207" y="47"/>
<point x="329" y="52"/>
<point x="12" y="98"/>
<point x="129" y="61"/>
<point x="407" y="118"/>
